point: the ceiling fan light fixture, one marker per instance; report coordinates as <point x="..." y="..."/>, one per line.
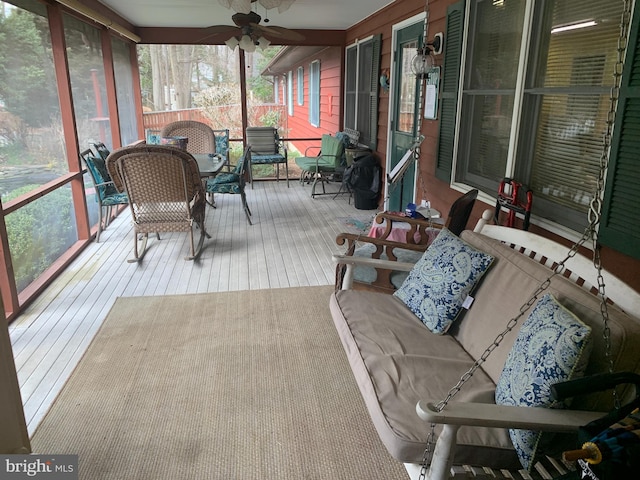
<point x="232" y="43"/>
<point x="247" y="44"/>
<point x="263" y="43"/>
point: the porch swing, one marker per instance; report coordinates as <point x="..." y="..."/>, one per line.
<point x="437" y="461"/>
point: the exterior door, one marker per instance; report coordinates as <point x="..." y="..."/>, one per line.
<point x="404" y="113"/>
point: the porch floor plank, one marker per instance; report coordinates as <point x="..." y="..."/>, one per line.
<point x="289" y="245"/>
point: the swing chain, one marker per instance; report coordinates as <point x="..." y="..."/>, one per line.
<point x="590" y="232"/>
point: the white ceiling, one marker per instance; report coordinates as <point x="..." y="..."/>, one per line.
<point x="303" y="14"/>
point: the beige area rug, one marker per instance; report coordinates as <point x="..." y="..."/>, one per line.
<point x="235" y="385"/>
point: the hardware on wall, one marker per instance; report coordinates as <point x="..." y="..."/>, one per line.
<point x="384" y="80"/>
<point x="424" y="60"/>
<point x="425" y="70"/>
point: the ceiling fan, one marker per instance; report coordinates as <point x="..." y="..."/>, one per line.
<point x="244" y="6"/>
<point x="248" y="33"/>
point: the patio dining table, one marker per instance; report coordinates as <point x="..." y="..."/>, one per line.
<point x="209" y="165"/>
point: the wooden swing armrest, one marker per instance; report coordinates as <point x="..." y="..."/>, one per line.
<point x="350" y="238"/>
<point x="502" y="416"/>
<point x="373" y="262"/>
<point x="394" y="217"/>
<point x="347" y="281"/>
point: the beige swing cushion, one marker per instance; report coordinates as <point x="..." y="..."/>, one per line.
<point x="397" y="361"/>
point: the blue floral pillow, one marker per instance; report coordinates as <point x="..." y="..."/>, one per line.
<point x="553" y="346"/>
<point x="439" y="283"/>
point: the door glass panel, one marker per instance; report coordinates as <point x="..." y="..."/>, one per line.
<point x="407" y="100"/>
<point x="31" y="143"/>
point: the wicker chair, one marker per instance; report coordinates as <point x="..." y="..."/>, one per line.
<point x="201" y="138"/>
<point x="165" y="193"/>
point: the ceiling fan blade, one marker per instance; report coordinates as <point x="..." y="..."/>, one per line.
<point x="218" y="30"/>
<point x="277" y="32"/>
<point x="242" y="6"/>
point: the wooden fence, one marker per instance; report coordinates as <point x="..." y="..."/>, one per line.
<point x="228" y="116"/>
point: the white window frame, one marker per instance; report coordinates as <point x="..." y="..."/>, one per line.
<point x="519" y="124"/>
<point x="314" y="93"/>
<point x="290" y="93"/>
<point x="300" y="85"/>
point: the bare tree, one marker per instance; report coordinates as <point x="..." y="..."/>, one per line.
<point x="181" y="61"/>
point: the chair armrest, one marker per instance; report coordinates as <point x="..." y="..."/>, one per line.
<point x="350" y="238"/>
<point x="344" y="280"/>
<point x="381" y="246"/>
<point x="502" y="416"/>
<point x="373" y="262"/>
<point x="306" y="152"/>
<point x="110" y="182"/>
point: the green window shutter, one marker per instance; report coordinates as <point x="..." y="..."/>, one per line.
<point x="449" y="93"/>
<point x="373" y="96"/>
<point x="620" y="224"/>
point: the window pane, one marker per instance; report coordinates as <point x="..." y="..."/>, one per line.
<point x="86" y="70"/>
<point x="314" y="94"/>
<point x="490" y="117"/>
<point x="489" y="93"/>
<point x="39" y="233"/>
<point x="31" y="142"/>
<point x="300" y="86"/>
<point x="350" y="88"/>
<point x="569" y="99"/>
<point x="290" y="93"/>
<point x="407" y="98"/>
<point x="364" y="91"/>
<point x="568" y="149"/>
<point x="495" y="45"/>
<point x="124" y="91"/>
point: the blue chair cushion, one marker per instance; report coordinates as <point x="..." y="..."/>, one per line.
<point x="222" y="178"/>
<point x="115" y="199"/>
<point x="552" y="346"/>
<point x="265" y="159"/>
<point x="440" y="282"/>
<point x="222" y="144"/>
<point x="224" y="183"/>
<point x="224" y="188"/>
<point x="100" y="174"/>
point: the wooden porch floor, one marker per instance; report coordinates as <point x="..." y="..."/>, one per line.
<point x="289" y="245"/>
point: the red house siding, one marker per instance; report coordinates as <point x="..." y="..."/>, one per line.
<point x="428" y="186"/>
<point x="330" y="99"/>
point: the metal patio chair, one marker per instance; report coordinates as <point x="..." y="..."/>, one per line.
<point x="267" y="149"/>
<point x="107" y="195"/>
